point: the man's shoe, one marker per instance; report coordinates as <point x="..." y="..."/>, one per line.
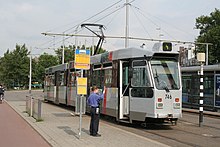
<point x="97" y="135"/>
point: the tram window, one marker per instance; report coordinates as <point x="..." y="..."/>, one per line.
<point x="165" y="72"/>
<point x="142" y="92"/>
<point x="108" y="77"/>
<point x="125" y="76"/>
<point x="208" y="84"/>
<point x="107" y="65"/>
<point x="47" y="80"/>
<point x="73" y="79"/>
<point x="52" y="81"/>
<point x="97" y="66"/>
<point x="97" y="78"/>
<point x="61" y="80"/>
<point x="140" y="77"/>
<point x="102" y="74"/>
<point x="139" y="63"/>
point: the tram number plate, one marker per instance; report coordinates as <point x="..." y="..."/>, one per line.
<point x="168" y="96"/>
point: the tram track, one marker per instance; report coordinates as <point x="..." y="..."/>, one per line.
<point x="185" y="133"/>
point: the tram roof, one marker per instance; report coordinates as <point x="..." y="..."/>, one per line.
<point x="60" y="67"/>
<point x="126" y="53"/>
<point x="122" y="54"/>
<point x="215" y="67"/>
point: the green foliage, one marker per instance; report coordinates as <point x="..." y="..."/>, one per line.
<point x="210" y="33"/>
<point x="15" y="67"/>
<point x="44" y="61"/>
<point x="69" y="52"/>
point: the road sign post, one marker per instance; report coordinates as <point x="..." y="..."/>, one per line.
<point x="82" y="61"/>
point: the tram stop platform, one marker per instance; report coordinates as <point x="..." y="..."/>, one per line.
<point x="60" y="129"/>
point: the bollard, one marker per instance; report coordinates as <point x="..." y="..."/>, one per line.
<point x="32" y="106"/>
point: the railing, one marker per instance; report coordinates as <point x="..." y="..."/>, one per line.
<point x="33" y="107"/>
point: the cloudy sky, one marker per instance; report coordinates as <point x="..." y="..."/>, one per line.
<point x="23" y="21"/>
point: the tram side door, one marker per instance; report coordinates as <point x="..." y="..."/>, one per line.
<point x="124" y="90"/>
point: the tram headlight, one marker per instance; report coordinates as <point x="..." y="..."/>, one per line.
<point x="159" y="105"/>
<point x="176" y="105"/>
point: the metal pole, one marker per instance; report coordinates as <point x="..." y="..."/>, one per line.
<point x="30" y="71"/>
<point x="201" y="96"/>
<point x="31" y="106"/>
<point x="127" y="25"/>
<point x="207" y="54"/>
<point x="63" y="52"/>
<point x="80" y="110"/>
<point x="93" y="45"/>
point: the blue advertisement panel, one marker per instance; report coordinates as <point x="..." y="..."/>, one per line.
<point x="217" y="90"/>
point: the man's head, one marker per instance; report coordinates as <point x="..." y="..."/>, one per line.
<point x="95" y="89"/>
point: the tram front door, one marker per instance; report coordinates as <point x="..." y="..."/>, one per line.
<point x="124" y="90"/>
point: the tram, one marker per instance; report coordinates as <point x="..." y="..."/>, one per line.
<point x="141" y="85"/>
<point x="211" y="83"/>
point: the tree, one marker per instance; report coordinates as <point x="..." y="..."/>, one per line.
<point x="44" y="61"/>
<point x="210" y="33"/>
<point x="15" y="67"/>
<point x="69" y="52"/>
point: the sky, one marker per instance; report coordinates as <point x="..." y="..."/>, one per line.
<point x="23" y="21"/>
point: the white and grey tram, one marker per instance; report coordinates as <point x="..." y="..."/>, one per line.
<point x="142" y="85"/>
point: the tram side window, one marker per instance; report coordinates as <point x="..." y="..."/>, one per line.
<point x="97" y="78"/>
<point x="108" y="77"/>
<point x="52" y="80"/>
<point x="62" y="79"/>
<point x="73" y="79"/>
<point x="47" y="80"/>
<point x="186" y="82"/>
<point x="209" y="85"/>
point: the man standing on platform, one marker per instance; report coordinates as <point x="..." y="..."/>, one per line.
<point x="93" y="101"/>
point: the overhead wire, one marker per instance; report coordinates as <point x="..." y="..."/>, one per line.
<point x="139" y="10"/>
<point x="77" y="31"/>
<point x="94" y="15"/>
<point x="113" y="17"/>
<point x="99" y="19"/>
<point x="170" y="24"/>
<point x="141" y="23"/>
<point x="104" y="17"/>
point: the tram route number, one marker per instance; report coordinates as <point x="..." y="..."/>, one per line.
<point x="168" y="96"/>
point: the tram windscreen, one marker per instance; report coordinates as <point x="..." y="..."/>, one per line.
<point x="166" y="73"/>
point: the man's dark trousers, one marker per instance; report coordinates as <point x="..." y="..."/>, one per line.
<point x="94" y="124"/>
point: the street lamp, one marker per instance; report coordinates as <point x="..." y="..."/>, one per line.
<point x="30" y="71"/>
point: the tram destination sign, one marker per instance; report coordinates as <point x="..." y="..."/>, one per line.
<point x="82" y="59"/>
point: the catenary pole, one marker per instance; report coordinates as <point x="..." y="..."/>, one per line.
<point x="127" y="25"/>
<point x="30" y="71"/>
